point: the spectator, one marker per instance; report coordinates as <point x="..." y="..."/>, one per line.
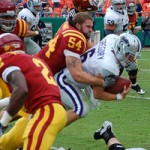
<point x="64" y="11"/>
<point x="47" y="12"/>
<point x="146" y="28"/>
<point x="56" y="3"/>
<point x="139" y="8"/>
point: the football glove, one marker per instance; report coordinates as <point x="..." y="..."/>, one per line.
<point x="109" y="81"/>
<point x="43" y="31"/>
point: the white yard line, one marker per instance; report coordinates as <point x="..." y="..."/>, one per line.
<point x="139" y="97"/>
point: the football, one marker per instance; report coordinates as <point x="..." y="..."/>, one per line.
<point x="118" y="86"/>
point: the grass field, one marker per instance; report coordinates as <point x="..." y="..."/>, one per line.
<point x="130" y="118"/>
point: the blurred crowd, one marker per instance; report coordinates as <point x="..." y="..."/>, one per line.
<point x="60" y="8"/>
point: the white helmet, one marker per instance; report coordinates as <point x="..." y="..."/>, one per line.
<point x="34" y="5"/>
<point x="127" y="49"/>
<point x="131" y="7"/>
<point x="119" y="5"/>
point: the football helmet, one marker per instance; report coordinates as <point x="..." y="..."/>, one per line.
<point x="10" y="42"/>
<point x="131" y="7"/>
<point x="7" y="15"/>
<point x="19" y="7"/>
<point x="86" y="5"/>
<point x="127" y="49"/>
<point x="119" y="5"/>
<point x="34" y="5"/>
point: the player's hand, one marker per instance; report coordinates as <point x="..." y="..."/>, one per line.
<point x="43" y="31"/>
<point x="2" y="129"/>
<point x="125" y="91"/>
<point x="109" y="81"/>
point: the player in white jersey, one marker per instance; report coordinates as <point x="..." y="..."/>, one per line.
<point x="116" y="18"/>
<point x="103" y="59"/>
<point x="116" y="21"/>
<point x="31" y="14"/>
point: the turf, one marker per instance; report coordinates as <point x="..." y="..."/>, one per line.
<point x="130" y="118"/>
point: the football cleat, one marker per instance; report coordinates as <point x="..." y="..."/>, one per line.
<point x="106" y="127"/>
<point x="137" y="89"/>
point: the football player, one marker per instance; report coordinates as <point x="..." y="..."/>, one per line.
<point x="133" y="16"/>
<point x="89" y="6"/>
<point x="82" y="6"/>
<point x="31" y="14"/>
<point x="8" y="21"/>
<point x="116" y="18"/>
<point x="10" y="24"/>
<point x="41" y="99"/>
<point x="116" y="21"/>
<point x="119" y="50"/>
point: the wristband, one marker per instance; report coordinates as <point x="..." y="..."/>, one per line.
<point x="37" y="32"/>
<point x="5" y="118"/>
<point x="119" y="96"/>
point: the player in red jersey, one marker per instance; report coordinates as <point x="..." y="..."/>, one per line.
<point x="66" y="47"/>
<point x="132" y="14"/>
<point x="40" y="99"/>
<point x="8" y="21"/>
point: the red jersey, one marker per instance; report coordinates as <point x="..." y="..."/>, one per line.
<point x="20" y="28"/>
<point x="67" y="38"/>
<point x="42" y="87"/>
<point x="133" y="20"/>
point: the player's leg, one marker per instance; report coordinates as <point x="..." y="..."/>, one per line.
<point x="73" y="98"/>
<point x="13" y="139"/>
<point x="106" y="133"/>
<point x="44" y="126"/>
<point x="135" y="86"/>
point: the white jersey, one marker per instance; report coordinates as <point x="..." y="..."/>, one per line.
<point x="28" y="16"/>
<point x="100" y="59"/>
<point x="121" y="20"/>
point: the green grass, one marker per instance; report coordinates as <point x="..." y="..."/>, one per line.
<point x="130" y="118"/>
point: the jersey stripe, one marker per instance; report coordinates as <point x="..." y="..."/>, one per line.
<point x="22" y="27"/>
<point x="74" y="31"/>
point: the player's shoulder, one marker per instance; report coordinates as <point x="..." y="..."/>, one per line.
<point x="70" y="31"/>
<point x="111" y="37"/>
<point x="25" y="12"/>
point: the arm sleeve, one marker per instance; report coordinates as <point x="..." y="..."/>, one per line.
<point x="7" y="71"/>
<point x="69" y="53"/>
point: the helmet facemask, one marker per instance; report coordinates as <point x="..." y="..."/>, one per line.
<point x="8" y="21"/>
<point x="131" y="8"/>
<point x="119" y="5"/>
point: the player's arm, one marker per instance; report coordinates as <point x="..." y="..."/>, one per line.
<point x="74" y="66"/>
<point x="100" y="93"/>
<point x="38" y="31"/>
<point x="19" y="87"/>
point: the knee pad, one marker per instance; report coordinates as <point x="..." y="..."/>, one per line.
<point x="116" y="147"/>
